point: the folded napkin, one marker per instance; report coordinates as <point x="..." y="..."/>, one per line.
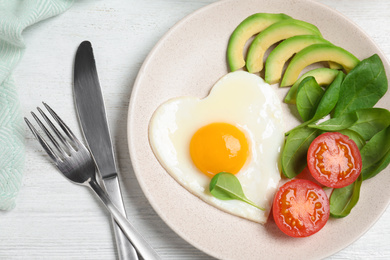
<point x="15" y="16"/>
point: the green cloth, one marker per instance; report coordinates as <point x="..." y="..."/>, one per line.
<point x="15" y="16"/>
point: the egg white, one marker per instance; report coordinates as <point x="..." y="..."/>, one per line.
<point x="241" y="99"/>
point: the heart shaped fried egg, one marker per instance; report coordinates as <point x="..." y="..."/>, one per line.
<point x="237" y="128"/>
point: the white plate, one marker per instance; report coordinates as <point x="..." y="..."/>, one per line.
<point x="188" y="60"/>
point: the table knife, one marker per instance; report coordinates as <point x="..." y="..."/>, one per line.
<point x="92" y="116"/>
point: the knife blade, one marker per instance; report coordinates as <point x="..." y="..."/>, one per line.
<point x="92" y="117"/>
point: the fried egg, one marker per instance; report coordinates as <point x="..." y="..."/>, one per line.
<point x="237" y="128"/>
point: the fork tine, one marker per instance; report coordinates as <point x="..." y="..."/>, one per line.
<point x="42" y="141"/>
<point x="48" y="134"/>
<point x="64" y="127"/>
<point x="55" y="130"/>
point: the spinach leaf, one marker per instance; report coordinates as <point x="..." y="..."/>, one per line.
<point x="322" y="76"/>
<point x="336" y="124"/>
<point x="308" y="97"/>
<point x="330" y="98"/>
<point x="300" y="126"/>
<point x="356" y="137"/>
<point x="375" y="152"/>
<point x="327" y="102"/>
<point x="366" y="121"/>
<point x="377" y="167"/>
<point x="226" y="186"/>
<point x="295" y="150"/>
<point x="343" y="200"/>
<point x="362" y="87"/>
<point x="371" y="121"/>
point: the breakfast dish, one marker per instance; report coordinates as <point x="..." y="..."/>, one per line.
<point x="187" y="62"/>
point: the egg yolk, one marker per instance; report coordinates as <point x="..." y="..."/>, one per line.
<point x="219" y="147"/>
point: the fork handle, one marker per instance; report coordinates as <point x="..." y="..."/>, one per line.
<point x="143" y="248"/>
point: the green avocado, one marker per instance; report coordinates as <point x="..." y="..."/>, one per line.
<point x="285" y="50"/>
<point x="244" y="31"/>
<point x="317" y="53"/>
<point x="334" y="65"/>
<point x="274" y="33"/>
<point x="323" y="76"/>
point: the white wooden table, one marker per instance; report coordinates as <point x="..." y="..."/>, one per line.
<point x="57" y="220"/>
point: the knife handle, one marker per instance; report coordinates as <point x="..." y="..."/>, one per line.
<point x="125" y="249"/>
<point x="142" y="247"/>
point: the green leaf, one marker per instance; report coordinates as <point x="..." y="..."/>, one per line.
<point x="226" y="186"/>
<point x="377" y="167"/>
<point x="337" y="124"/>
<point x="300" y="126"/>
<point x="367" y="122"/>
<point x="322" y="76"/>
<point x="375" y="152"/>
<point x="327" y="102"/>
<point x="308" y="97"/>
<point x="330" y="97"/>
<point x="343" y="200"/>
<point x="295" y="150"/>
<point x="371" y="121"/>
<point x="362" y="87"/>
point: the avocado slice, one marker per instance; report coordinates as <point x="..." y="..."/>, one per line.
<point x="244" y="31"/>
<point x="334" y="65"/>
<point x="285" y="50"/>
<point x="323" y="76"/>
<point x="317" y="53"/>
<point x="274" y="33"/>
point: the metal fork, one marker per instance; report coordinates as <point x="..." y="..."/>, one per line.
<point x="75" y="162"/>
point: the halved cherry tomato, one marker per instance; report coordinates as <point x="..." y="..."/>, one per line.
<point x="300" y="208"/>
<point x="334" y="160"/>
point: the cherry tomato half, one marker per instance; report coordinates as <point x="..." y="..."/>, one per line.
<point x="300" y="208"/>
<point x="334" y="160"/>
